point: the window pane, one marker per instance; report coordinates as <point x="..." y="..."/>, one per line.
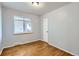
<point x="18" y="26"/>
<point x="28" y="26"/>
<point x="22" y="25"/>
<point x="18" y="18"/>
<point x="26" y="19"/>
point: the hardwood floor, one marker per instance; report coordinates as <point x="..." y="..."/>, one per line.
<point x="37" y="48"/>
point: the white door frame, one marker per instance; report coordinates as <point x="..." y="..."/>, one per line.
<point x="45" y="29"/>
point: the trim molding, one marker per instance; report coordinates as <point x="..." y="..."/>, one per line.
<point x="1" y="51"/>
<point x="19" y="43"/>
<point x="63" y="49"/>
<point x="41" y="40"/>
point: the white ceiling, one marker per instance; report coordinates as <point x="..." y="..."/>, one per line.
<point x="43" y="8"/>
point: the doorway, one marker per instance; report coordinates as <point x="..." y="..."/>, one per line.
<point x="45" y="29"/>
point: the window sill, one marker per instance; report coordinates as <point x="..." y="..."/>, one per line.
<point x="22" y="33"/>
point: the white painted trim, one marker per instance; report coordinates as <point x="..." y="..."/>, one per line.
<point x="45" y="41"/>
<point x="1" y="51"/>
<point x="62" y="49"/>
<point x="20" y="43"/>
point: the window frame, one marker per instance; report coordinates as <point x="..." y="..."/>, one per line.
<point x="19" y="33"/>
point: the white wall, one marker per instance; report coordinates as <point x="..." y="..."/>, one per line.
<point x="9" y="38"/>
<point x="64" y="27"/>
<point x="0" y="30"/>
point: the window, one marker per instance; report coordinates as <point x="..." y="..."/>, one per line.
<point x="22" y="25"/>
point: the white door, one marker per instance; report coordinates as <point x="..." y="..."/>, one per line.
<point x="45" y="29"/>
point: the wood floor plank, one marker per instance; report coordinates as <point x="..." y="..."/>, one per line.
<point x="37" y="48"/>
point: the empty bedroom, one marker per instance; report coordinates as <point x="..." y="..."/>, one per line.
<point x="39" y="28"/>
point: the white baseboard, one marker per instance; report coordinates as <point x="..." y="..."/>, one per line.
<point x="1" y="51"/>
<point x="64" y="50"/>
<point x="41" y="40"/>
<point x="61" y="48"/>
<point x="19" y="43"/>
